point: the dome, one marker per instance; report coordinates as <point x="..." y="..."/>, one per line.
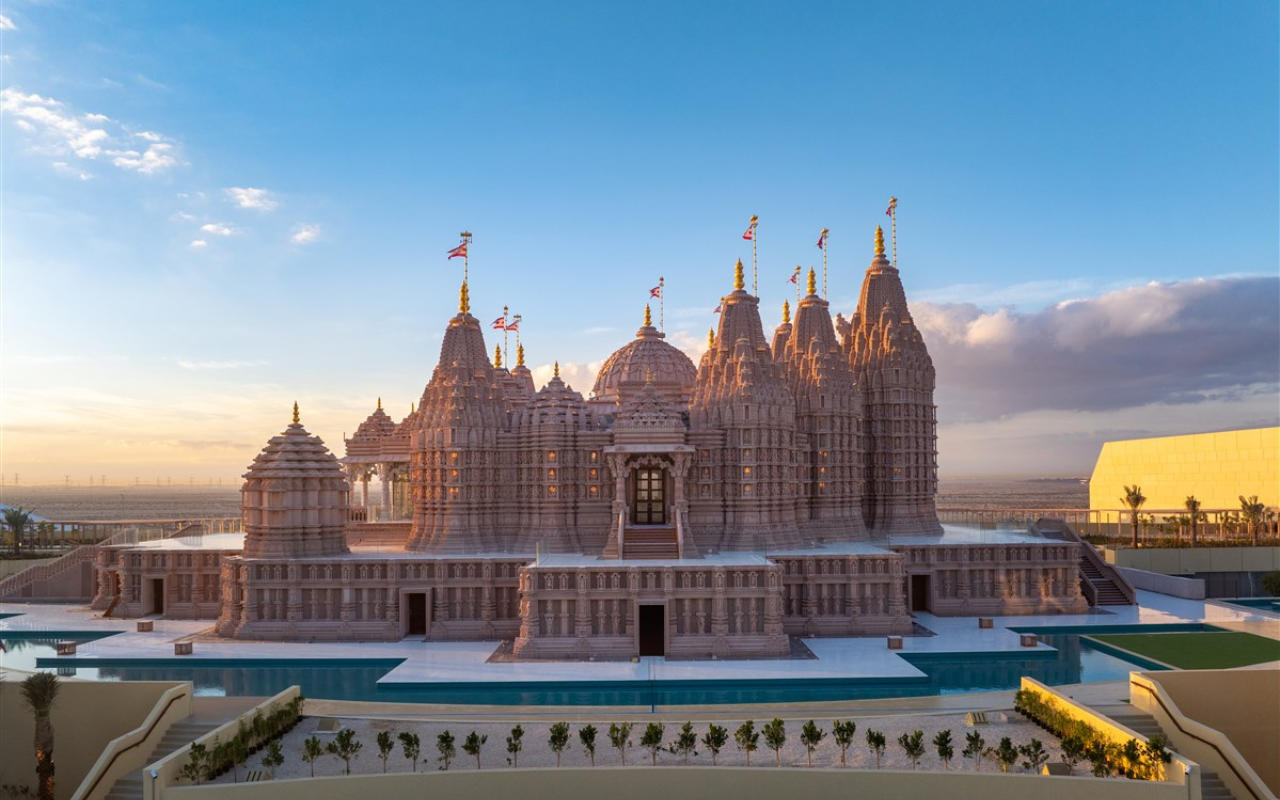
<point x="647" y="357"/>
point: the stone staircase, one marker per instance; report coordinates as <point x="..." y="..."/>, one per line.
<point x="649" y="543"/>
<point x="1211" y="786"/>
<point x="179" y="735"/>
<point x="1104" y="587"/>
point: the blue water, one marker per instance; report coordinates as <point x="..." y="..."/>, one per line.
<point x="1254" y="603"/>
<point x="1075" y="660"/>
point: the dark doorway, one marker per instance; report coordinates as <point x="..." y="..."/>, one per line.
<point x="653" y="630"/>
<point x="157" y="596"/>
<point x="417" y="614"/>
<point x="650" y="498"/>
<point x="920" y="591"/>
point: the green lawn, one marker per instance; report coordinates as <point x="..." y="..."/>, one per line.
<point x="1198" y="650"/>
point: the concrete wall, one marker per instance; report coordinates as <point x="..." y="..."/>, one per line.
<point x="1215" y="467"/>
<point x="1189" y="560"/>
<point x="1189" y="588"/>
<point x="647" y="783"/>
<point x="86" y="717"/>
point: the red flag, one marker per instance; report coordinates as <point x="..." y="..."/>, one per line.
<point x="459" y="252"/>
<point x="515" y="325"/>
<point x="717" y="311"/>
<point x="750" y="235"/>
<point x="893" y="206"/>
<point x="656" y="291"/>
<point x="822" y="239"/>
<point x="795" y="276"/>
<point x="500" y="323"/>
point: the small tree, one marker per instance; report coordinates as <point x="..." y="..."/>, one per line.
<point x="651" y="739"/>
<point x="714" y="740"/>
<point x="620" y="739"/>
<point x="312" y="750"/>
<point x="942" y="743"/>
<point x="913" y="744"/>
<point x="1072" y="751"/>
<point x="238" y="749"/>
<point x="17" y="519"/>
<point x="876" y="741"/>
<point x="1132" y="752"/>
<point x="1253" y="512"/>
<point x="1133" y="499"/>
<point x="747" y="739"/>
<point x="775" y="737"/>
<point x="686" y="743"/>
<point x="197" y="763"/>
<point x="411" y="746"/>
<point x="1034" y="755"/>
<point x="974" y="746"/>
<point x="345" y="746"/>
<point x="843" y="733"/>
<point x="1271" y="583"/>
<point x="472" y="745"/>
<point x="386" y="743"/>
<point x="445" y="746"/>
<point x="587" y="735"/>
<point x="811" y="736"/>
<point x="273" y="758"/>
<point x="559" y="739"/>
<point x="1195" y="515"/>
<point x="1101" y="756"/>
<point x="1005" y="753"/>
<point x="515" y="743"/>
<point x="1156" y="754"/>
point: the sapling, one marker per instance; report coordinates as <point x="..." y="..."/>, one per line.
<point x="312" y="750"/>
<point x="587" y="735"/>
<point x="686" y="742"/>
<point x="445" y="746"/>
<point x="620" y="739"/>
<point x="876" y="741"/>
<point x="386" y="743"/>
<point x="472" y="745"/>
<point x="411" y="746"/>
<point x="515" y="743"/>
<point x="1034" y="755"/>
<point x="775" y="736"/>
<point x="559" y="739"/>
<point x="1005" y="753"/>
<point x="913" y="744"/>
<point x="747" y="739"/>
<point x="273" y="758"/>
<point x="843" y="733"/>
<point x="651" y="739"/>
<point x="714" y="740"/>
<point x="197" y="758"/>
<point x="942" y="742"/>
<point x="345" y="747"/>
<point x="811" y="736"/>
<point x="974" y="746"/>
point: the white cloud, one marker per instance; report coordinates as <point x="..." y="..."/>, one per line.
<point x="6" y="24"/>
<point x="149" y="136"/>
<point x="58" y="131"/>
<point x="257" y="199"/>
<point x="202" y="365"/>
<point x="197" y="243"/>
<point x="218" y="229"/>
<point x="63" y="168"/>
<point x="305" y="234"/>
<point x="183" y="216"/>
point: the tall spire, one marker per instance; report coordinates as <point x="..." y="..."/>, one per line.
<point x="786" y="311"/>
<point x="557" y="370"/>
<point x="648" y="318"/>
<point x="879" y="241"/>
<point x="497" y="356"/>
<point x="519" y="355"/>
<point x="813" y="282"/>
<point x="738" y="279"/>
<point x="296" y="418"/>
<point x="464" y="299"/>
<point x="711" y="338"/>
<point x="379" y="402"/>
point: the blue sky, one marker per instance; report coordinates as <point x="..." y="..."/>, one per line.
<point x="326" y="155"/>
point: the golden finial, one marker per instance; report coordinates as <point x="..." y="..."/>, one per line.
<point x="296" y="419"/>
<point x="879" y="241"/>
<point x="786" y="312"/>
<point x="711" y="338"/>
<point x="648" y="318"/>
<point x="411" y="407"/>
<point x="738" y="281"/>
<point x="519" y="355"/>
<point x="648" y="376"/>
<point x="464" y="299"/>
<point x="813" y="282"/>
<point x="379" y="403"/>
<point x="497" y="356"/>
<point x="557" y="369"/>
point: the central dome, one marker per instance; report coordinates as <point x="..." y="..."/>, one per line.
<point x="646" y="358"/>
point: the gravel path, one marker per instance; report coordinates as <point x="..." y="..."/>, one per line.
<point x="537" y="753"/>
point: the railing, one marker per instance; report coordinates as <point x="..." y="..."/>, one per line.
<point x="15" y="583"/>
<point x="107" y="769"/>
<point x="1219" y="525"/>
<point x="1090" y="553"/>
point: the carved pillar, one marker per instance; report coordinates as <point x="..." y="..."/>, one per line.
<point x="384" y="477"/>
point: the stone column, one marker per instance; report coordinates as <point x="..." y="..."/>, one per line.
<point x="384" y="476"/>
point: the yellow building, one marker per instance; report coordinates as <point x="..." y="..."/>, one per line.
<point x="1215" y="467"/>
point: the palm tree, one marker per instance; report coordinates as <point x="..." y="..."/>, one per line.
<point x="1193" y="511"/>
<point x="1252" y="511"/>
<point x="1133" y="498"/>
<point x="16" y="519"/>
<point x="39" y="691"/>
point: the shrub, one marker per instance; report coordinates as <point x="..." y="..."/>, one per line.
<point x="714" y="740"/>
<point x="747" y="739"/>
<point x="974" y="747"/>
<point x="445" y="746"/>
<point x="686" y="743"/>
<point x="913" y="744"/>
<point x="843" y="733"/>
<point x="472" y="745"/>
<point x="273" y="758"/>
<point x="515" y="743"/>
<point x="311" y="750"/>
<point x="620" y="739"/>
<point x="811" y="736"/>
<point x="775" y="736"/>
<point x="1006" y="754"/>
<point x="386" y="743"/>
<point x="1034" y="754"/>
<point x="411" y="746"/>
<point x="587" y="735"/>
<point x="942" y="743"/>
<point x="651" y="740"/>
<point x="1271" y="583"/>
<point x="345" y="746"/>
<point x="559" y="739"/>
<point x="876" y="741"/>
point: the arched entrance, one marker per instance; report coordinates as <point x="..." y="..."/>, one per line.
<point x="649" y="496"/>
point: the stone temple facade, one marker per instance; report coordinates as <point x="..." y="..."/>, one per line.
<point x="782" y="486"/>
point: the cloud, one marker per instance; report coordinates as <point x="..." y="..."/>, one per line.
<point x="6" y="24"/>
<point x="1170" y="343"/>
<point x="58" y="131"/>
<point x="257" y="199"/>
<point x="199" y="243"/>
<point x="204" y="365"/>
<point x="305" y="234"/>
<point x="582" y="377"/>
<point x="218" y="229"/>
<point x="63" y="168"/>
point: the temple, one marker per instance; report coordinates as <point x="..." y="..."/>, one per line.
<point x="780" y="487"/>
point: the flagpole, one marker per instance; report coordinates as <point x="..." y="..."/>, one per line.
<point x="506" y="354"/>
<point x="893" y="224"/>
<point x="796" y="280"/>
<point x="755" y="286"/>
<point x="824" y="264"/>
<point x="662" y="305"/>
<point x="517" y="319"/>
<point x="466" y="266"/>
